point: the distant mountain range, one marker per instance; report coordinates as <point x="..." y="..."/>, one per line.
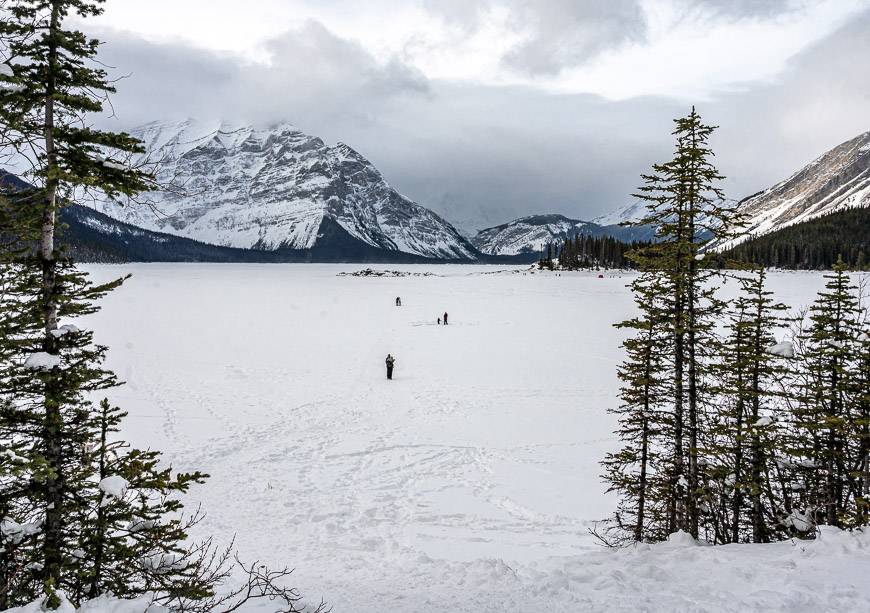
<point x="527" y="235"/>
<point x="268" y="195"/>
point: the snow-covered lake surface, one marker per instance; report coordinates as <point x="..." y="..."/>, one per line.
<point x="468" y="482"/>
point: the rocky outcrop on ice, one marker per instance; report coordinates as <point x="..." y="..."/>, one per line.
<point x="529" y="234"/>
<point x="278" y="188"/>
<point x="838" y="180"/>
<point x="371" y="272"/>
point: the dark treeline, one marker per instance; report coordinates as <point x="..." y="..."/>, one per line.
<point x="584" y="251"/>
<point x="813" y="245"/>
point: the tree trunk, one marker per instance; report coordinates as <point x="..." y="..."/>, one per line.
<point x="53" y="428"/>
<point x="759" y="530"/>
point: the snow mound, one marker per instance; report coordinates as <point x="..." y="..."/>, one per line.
<point x="784" y="349"/>
<point x="13" y="532"/>
<point x="114" y="486"/>
<point x="102" y="604"/>
<point x="683" y="539"/>
<point x="64" y="330"/>
<point x="162" y="563"/>
<point x="42" y="361"/>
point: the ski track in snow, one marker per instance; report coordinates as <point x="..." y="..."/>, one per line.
<point x="468" y="482"/>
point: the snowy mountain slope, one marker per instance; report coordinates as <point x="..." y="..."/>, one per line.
<point x="629" y="212"/>
<point x="838" y="180"/>
<point x="528" y="234"/>
<point x="277" y="188"/>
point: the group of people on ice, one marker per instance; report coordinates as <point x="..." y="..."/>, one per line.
<point x="391" y="361"/>
<point x="399" y="303"/>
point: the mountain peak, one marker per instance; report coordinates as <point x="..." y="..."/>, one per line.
<point x="276" y="188"/>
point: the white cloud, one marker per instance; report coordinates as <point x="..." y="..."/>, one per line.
<point x="619" y="49"/>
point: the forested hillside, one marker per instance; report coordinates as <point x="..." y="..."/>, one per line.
<point x="813" y="245"/>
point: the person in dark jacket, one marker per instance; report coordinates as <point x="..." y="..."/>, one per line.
<point x="398" y="301"/>
<point x="390" y="361"/>
<point x="445" y="318"/>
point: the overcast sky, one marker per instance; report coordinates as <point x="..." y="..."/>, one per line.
<point x="485" y="110"/>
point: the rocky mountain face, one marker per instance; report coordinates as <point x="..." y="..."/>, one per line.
<point x="527" y="235"/>
<point x="278" y="189"/>
<point x="836" y="181"/>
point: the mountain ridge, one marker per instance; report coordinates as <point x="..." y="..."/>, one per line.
<point x="270" y="188"/>
<point x="837" y="180"/>
<point x="527" y="235"/>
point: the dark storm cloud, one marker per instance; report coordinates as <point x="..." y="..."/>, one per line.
<point x="482" y="154"/>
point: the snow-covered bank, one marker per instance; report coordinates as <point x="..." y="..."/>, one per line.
<point x="466" y="483"/>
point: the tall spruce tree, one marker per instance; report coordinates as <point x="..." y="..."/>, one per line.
<point x="638" y="471"/>
<point x="17" y="324"/>
<point x="743" y="436"/>
<point x="82" y="513"/>
<point x="685" y="204"/>
<point x="828" y="444"/>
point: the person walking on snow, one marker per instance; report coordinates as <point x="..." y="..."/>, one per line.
<point x="390" y="361"/>
<point x="445" y="318"/>
<point x="398" y="301"/>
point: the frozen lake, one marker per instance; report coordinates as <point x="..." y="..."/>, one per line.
<point x="471" y="472"/>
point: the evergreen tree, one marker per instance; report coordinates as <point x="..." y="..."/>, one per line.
<point x="829" y="439"/>
<point x="684" y="203"/>
<point x="82" y="512"/>
<point x="17" y="278"/>
<point x="743" y="435"/>
<point x="637" y="471"/>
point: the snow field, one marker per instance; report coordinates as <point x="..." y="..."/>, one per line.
<point x="468" y="482"/>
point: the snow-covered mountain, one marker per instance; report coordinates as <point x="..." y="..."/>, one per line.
<point x="633" y="211"/>
<point x="838" y="180"/>
<point x="528" y="234"/>
<point x="278" y="188"/>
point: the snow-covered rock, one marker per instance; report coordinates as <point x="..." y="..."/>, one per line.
<point x="277" y="188"/>
<point x="836" y="181"/>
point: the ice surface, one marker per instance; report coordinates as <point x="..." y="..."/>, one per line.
<point x="468" y="482"/>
